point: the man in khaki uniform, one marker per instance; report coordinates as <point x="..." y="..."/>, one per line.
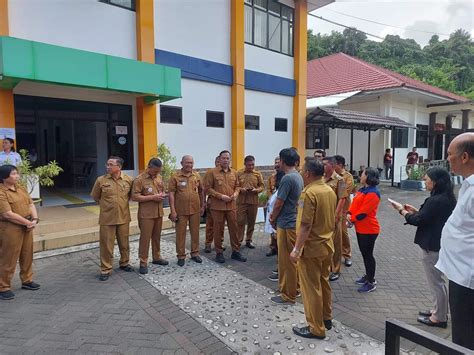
<point x="112" y="192"/>
<point x="271" y="188"/>
<point x="222" y="186"/>
<point x="336" y="182"/>
<point x="209" y="221"/>
<point x="349" y="185"/>
<point x="148" y="191"/>
<point x="313" y="250"/>
<point x="251" y="184"/>
<point x="187" y="205"/>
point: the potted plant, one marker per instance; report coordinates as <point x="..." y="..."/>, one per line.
<point x="415" y="179"/>
<point x="34" y="177"/>
<point x="168" y="168"/>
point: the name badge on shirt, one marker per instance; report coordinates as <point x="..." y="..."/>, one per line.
<point x="183" y="183"/>
<point x="149" y="190"/>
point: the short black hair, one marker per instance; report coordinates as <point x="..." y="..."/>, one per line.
<point x="119" y="160"/>
<point x="330" y="159"/>
<point x="340" y="160"/>
<point x="12" y="142"/>
<point x="388" y="150"/>
<point x="278" y="177"/>
<point x="155" y="163"/>
<point x="373" y="176"/>
<point x="320" y="151"/>
<point x="289" y="156"/>
<point x="223" y="152"/>
<point x="5" y="171"/>
<point x="314" y="166"/>
<point x="249" y="158"/>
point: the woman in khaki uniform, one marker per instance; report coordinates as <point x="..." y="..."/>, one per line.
<point x="18" y="218"/>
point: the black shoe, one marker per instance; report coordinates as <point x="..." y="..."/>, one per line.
<point x="32" y="286"/>
<point x="348" y="262"/>
<point x="7" y="295"/>
<point x="237" y="256"/>
<point x="180" y="262"/>
<point x="207" y="249"/>
<point x="250" y="244"/>
<point x="425" y="313"/>
<point x="271" y="252"/>
<point x="126" y="268"/>
<point x="280" y="300"/>
<point x="197" y="259"/>
<point x="328" y="324"/>
<point x="143" y="270"/>
<point x="103" y="277"/>
<point x="298" y="294"/>
<point x="306" y="333"/>
<point x="161" y="262"/>
<point x="334" y="276"/>
<point x="223" y="248"/>
<point x="220" y="258"/>
<point x="273" y="277"/>
<point x="429" y="322"/>
<point x="275" y="271"/>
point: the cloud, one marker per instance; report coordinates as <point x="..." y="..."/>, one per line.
<point x="422" y="25"/>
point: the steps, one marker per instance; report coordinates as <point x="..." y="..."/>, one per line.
<point x="60" y="227"/>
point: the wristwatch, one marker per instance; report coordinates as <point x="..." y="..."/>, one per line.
<point x="297" y="251"/>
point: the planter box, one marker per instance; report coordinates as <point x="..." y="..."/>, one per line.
<point x="413" y="185"/>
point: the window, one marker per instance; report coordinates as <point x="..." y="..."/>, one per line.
<point x="422" y="136"/>
<point x="215" y="119"/>
<point x="269" y="24"/>
<point x="317" y="137"/>
<point x="281" y="125"/>
<point x="252" y="122"/>
<point x="126" y="4"/>
<point x="171" y="114"/>
<point x="401" y="137"/>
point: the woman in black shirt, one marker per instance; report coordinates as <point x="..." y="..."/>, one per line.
<point x="430" y="220"/>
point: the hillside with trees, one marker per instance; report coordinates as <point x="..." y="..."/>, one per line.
<point x="447" y="64"/>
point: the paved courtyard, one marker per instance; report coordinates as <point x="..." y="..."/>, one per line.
<point x="211" y="308"/>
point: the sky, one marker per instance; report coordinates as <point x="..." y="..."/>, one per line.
<point x="440" y="16"/>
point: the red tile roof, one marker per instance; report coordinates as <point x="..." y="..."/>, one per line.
<point x="339" y="73"/>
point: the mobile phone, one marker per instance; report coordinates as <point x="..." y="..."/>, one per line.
<point x="392" y="201"/>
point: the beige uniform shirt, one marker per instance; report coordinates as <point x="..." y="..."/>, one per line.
<point x="220" y="182"/>
<point x="252" y="179"/>
<point x="145" y="185"/>
<point x="186" y="192"/>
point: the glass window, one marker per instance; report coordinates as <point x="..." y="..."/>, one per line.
<point x="126" y="4"/>
<point x="252" y="122"/>
<point x="214" y="119"/>
<point x="248" y="24"/>
<point x="171" y="114"/>
<point x="274" y="40"/>
<point x="260" y="28"/>
<point x="281" y="125"/>
<point x="274" y="7"/>
<point x="248" y="2"/>
<point x="261" y="4"/>
<point x="315" y="138"/>
<point x="401" y="137"/>
<point x="121" y="134"/>
<point x="421" y="136"/>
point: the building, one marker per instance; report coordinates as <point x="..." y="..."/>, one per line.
<point x="82" y="80"/>
<point x="349" y="83"/>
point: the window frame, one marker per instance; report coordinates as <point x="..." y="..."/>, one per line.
<point x="312" y="129"/>
<point x="425" y="129"/>
<point x="219" y="112"/>
<point x="252" y="116"/>
<point x="291" y="22"/>
<point x="281" y="119"/>
<point x="133" y="8"/>
<point x="404" y="132"/>
<point x="176" y="107"/>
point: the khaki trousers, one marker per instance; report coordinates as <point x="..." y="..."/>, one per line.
<point x="246" y="215"/>
<point x="193" y="221"/>
<point x="219" y="219"/>
<point x="316" y="291"/>
<point x="106" y="243"/>
<point x="16" y="244"/>
<point x="287" y="275"/>
<point x="150" y="230"/>
<point x="346" y="241"/>
<point x="337" y="239"/>
<point x="209" y="228"/>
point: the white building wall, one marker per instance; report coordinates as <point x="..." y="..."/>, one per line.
<point x="193" y="137"/>
<point x="194" y="28"/>
<point x="86" y="24"/>
<point x="266" y="61"/>
<point x="265" y="144"/>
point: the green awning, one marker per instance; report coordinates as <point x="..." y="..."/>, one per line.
<point x="27" y="60"/>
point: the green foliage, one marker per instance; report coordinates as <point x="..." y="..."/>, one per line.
<point x="169" y="162"/>
<point x="262" y="198"/>
<point x="447" y="64"/>
<point x="417" y="173"/>
<point x="30" y="176"/>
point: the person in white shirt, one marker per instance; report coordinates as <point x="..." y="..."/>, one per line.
<point x="8" y="155"/>
<point x="456" y="257"/>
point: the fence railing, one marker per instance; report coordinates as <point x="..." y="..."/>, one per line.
<point x="395" y="329"/>
<point x="417" y="171"/>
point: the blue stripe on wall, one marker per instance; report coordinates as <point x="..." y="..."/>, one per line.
<point x="269" y="83"/>
<point x="213" y="72"/>
<point x="195" y="68"/>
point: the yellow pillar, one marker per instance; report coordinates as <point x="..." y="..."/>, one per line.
<point x="238" y="86"/>
<point x="146" y="114"/>
<point x="7" y="110"/>
<point x="300" y="62"/>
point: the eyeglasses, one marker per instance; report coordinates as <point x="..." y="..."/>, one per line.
<point x="107" y="165"/>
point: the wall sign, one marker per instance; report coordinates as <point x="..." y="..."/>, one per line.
<point x="7" y="133"/>
<point x="121" y="130"/>
<point x="122" y="140"/>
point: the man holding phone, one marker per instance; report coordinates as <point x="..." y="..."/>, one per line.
<point x="251" y="184"/>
